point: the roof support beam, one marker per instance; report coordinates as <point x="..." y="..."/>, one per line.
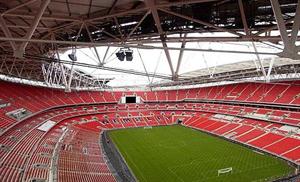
<point x="51" y="18"/>
<point x="118" y="27"/>
<point x="21" y="50"/>
<point x="105" y="55"/>
<point x="68" y="86"/>
<point x="117" y="14"/>
<point x="63" y="72"/>
<point x="40" y="59"/>
<point x="67" y="18"/>
<point x="7" y="33"/>
<point x="201" y="22"/>
<point x="270" y="69"/>
<point x="140" y="22"/>
<point x="247" y="32"/>
<point x="280" y="22"/>
<point x="144" y="66"/>
<point x="25" y="27"/>
<point x="165" y="47"/>
<point x="132" y="46"/>
<point x="112" y="7"/>
<point x="211" y="39"/>
<point x="19" y="6"/>
<point x="272" y="27"/>
<point x="146" y="8"/>
<point x="105" y="32"/>
<point x="296" y="24"/>
<point x="260" y="62"/>
<point x="183" y="2"/>
<point x="180" y="56"/>
<point x="244" y="19"/>
<point x="290" y="49"/>
<point x="151" y="5"/>
<point x="94" y="47"/>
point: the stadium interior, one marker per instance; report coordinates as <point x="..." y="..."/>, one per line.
<point x="75" y="73"/>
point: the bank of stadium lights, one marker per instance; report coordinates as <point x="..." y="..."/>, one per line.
<point x="125" y="52"/>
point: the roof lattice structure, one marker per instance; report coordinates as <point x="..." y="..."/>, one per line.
<point x="33" y="32"/>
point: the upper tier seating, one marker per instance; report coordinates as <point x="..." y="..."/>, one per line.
<point x="35" y="98"/>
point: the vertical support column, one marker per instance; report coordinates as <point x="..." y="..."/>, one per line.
<point x="145" y="69"/>
<point x="63" y="73"/>
<point x="296" y="24"/>
<point x="290" y="49"/>
<point x="151" y="5"/>
<point x="260" y="62"/>
<point x="180" y="56"/>
<point x="68" y="87"/>
<point x="94" y="47"/>
<point x="270" y="70"/>
<point x="280" y="23"/>
<point x="244" y="19"/>
<point x="105" y="55"/>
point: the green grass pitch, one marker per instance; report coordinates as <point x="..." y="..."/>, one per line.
<point x="177" y="153"/>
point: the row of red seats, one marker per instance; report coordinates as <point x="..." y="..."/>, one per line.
<point x="279" y="116"/>
<point x="37" y="98"/>
<point x="281" y="93"/>
<point x="96" y="122"/>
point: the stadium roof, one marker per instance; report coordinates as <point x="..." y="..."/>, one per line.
<point x="240" y="66"/>
<point x="35" y="34"/>
<point x="274" y="68"/>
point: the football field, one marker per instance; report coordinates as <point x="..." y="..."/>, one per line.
<point x="180" y="154"/>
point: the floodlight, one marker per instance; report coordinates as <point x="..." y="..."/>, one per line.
<point x="120" y="55"/>
<point x="129" y="55"/>
<point x="72" y="56"/>
<point x="125" y="52"/>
